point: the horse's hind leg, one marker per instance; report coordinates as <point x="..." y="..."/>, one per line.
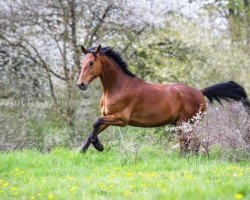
<point x="194" y="144"/>
<point x="183" y="142"/>
<point x="183" y="138"/>
<point x="205" y="146"/>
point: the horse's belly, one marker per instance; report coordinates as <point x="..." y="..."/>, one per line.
<point x="155" y="124"/>
<point x="152" y="119"/>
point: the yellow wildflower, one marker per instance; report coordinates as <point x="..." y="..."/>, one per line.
<point x="238" y="196"/>
<point x="111" y="186"/>
<point x="73" y="189"/>
<point x="50" y="196"/>
<point x="189" y="177"/>
<point x="129" y="174"/>
<point x="102" y="186"/>
<point x="6" y="184"/>
<point x="127" y="193"/>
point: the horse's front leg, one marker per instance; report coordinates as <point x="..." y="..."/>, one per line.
<point x="99" y="125"/>
<point x="92" y="138"/>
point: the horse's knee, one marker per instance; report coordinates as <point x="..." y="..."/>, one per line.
<point x="98" y="123"/>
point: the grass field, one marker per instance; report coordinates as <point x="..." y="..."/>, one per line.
<point x="65" y="174"/>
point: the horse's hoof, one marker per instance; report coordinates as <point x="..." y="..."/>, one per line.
<point x="98" y="145"/>
<point x="83" y="150"/>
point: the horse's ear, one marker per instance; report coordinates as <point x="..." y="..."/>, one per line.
<point x="85" y="51"/>
<point x="97" y="50"/>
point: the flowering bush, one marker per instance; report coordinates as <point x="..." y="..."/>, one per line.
<point x="225" y="128"/>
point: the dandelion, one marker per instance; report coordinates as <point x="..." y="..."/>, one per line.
<point x="50" y="196"/>
<point x="238" y="196"/>
<point x="14" y="190"/>
<point x="151" y="174"/>
<point x="18" y="172"/>
<point x="73" y="189"/>
<point x="129" y="174"/>
<point x="101" y="186"/>
<point x="111" y="186"/>
<point x="6" y="184"/>
<point x="127" y="193"/>
<point x="189" y="177"/>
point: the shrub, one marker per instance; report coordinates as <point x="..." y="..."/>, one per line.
<point x="223" y="128"/>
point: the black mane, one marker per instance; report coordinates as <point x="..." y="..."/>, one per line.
<point x="108" y="51"/>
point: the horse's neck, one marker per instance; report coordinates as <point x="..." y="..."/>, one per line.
<point x="112" y="77"/>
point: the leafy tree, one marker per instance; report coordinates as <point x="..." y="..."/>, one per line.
<point x="49" y="33"/>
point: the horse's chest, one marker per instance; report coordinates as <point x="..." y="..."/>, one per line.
<point x="109" y="107"/>
<point x="105" y="111"/>
<point x="106" y="107"/>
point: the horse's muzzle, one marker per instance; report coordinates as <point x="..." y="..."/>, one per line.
<point x="82" y="86"/>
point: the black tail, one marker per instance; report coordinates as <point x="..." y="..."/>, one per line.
<point x="227" y="91"/>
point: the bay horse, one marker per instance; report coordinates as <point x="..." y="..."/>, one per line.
<point x="129" y="100"/>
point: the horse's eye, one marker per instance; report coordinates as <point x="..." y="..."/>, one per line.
<point x="91" y="62"/>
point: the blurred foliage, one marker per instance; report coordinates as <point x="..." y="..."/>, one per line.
<point x="181" y="50"/>
<point x="189" y="54"/>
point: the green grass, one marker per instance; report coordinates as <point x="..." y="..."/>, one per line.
<point x="66" y="174"/>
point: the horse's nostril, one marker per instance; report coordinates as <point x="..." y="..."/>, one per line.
<point x="82" y="86"/>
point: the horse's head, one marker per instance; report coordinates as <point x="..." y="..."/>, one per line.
<point x="91" y="67"/>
